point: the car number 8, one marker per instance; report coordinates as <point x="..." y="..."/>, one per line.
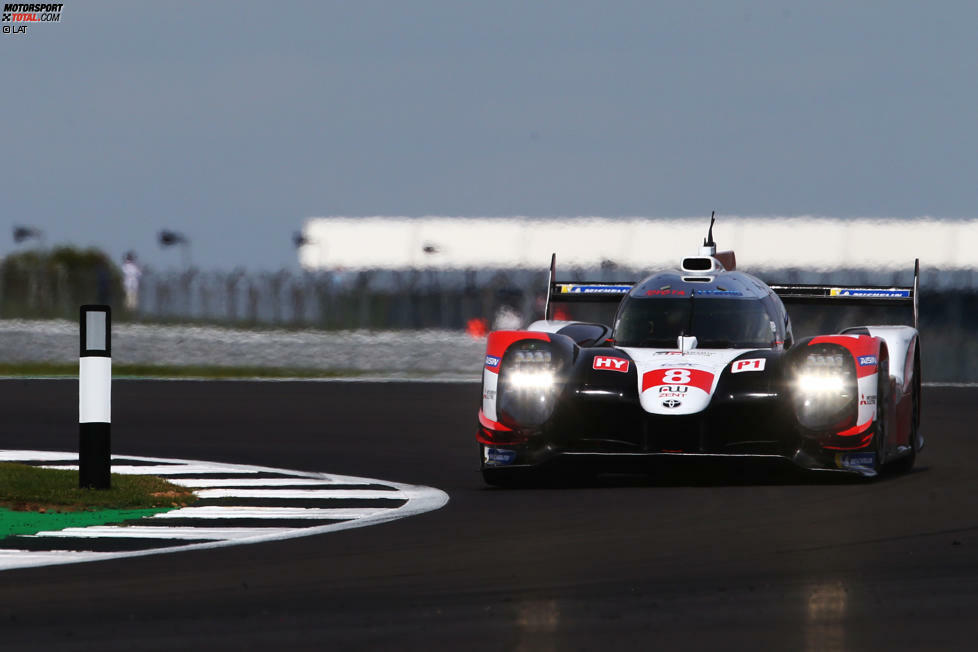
<point x="676" y="377"/>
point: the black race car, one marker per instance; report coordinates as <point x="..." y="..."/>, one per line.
<point x="701" y="362"/>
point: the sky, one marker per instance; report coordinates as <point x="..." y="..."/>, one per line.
<point x="232" y="122"/>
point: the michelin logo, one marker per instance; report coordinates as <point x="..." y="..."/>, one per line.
<point x="596" y="289"/>
<point x="871" y="293"/>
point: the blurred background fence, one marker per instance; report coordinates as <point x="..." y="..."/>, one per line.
<point x="440" y="299"/>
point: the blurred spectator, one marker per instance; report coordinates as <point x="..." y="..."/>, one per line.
<point x="130" y="280"/>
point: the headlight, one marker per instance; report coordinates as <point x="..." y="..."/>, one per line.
<point x="527" y="384"/>
<point x="823" y="379"/>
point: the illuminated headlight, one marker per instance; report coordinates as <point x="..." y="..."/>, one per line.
<point x="528" y="385"/>
<point x="817" y="383"/>
<point x="824" y="386"/>
<point x="522" y="380"/>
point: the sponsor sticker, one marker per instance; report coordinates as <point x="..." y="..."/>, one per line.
<point x="689" y="377"/>
<point x="608" y="363"/>
<point x="867" y="360"/>
<point x="674" y="389"/>
<point x="752" y="364"/>
<point x="671" y="403"/>
<point x="665" y="293"/>
<point x="867" y="400"/>
<point x="595" y="289"/>
<point x="877" y="293"/>
<point x="499" y="456"/>
<point x="719" y="293"/>
<point x="492" y="362"/>
<point x="855" y="460"/>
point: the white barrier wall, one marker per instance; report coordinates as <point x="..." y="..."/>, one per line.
<point x="353" y="243"/>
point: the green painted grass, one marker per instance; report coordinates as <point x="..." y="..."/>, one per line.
<point x="36" y="500"/>
<point x="14" y="522"/>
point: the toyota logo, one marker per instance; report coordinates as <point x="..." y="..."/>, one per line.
<point x="671" y="403"/>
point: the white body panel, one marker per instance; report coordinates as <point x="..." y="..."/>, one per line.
<point x="898" y="340"/>
<point x="679" y="383"/>
<point x="489" y="382"/>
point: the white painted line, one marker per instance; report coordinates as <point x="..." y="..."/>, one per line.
<point x="299" y="493"/>
<point x="163" y="469"/>
<point x="950" y="384"/>
<point x="418" y="499"/>
<point x="215" y="511"/>
<point x="150" y="532"/>
<point x="25" y="558"/>
<point x="18" y="456"/>
<point x="192" y="483"/>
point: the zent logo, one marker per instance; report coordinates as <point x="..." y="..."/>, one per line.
<point x="492" y="362"/>
<point x="606" y="363"/>
<point x="754" y="364"/>
<point x="867" y="360"/>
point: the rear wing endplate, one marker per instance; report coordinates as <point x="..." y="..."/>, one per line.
<point x="584" y="291"/>
<point x="863" y="295"/>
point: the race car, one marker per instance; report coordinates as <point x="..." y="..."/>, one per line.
<point x="701" y="362"/>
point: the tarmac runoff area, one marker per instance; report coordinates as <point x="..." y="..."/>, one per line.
<point x="432" y="354"/>
<point x="237" y="504"/>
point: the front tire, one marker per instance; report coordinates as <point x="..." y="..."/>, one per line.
<point x="906" y="463"/>
<point x="882" y="401"/>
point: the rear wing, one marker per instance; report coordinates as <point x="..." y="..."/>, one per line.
<point x="584" y="291"/>
<point x="862" y="295"/>
<point x="791" y="293"/>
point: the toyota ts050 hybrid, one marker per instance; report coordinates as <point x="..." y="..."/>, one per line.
<point x="701" y="362"/>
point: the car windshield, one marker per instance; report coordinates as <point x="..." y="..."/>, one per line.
<point x="716" y="323"/>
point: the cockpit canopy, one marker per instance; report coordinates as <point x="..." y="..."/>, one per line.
<point x="717" y="322"/>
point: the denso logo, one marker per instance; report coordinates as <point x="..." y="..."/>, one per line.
<point x="867" y="360"/>
<point x="665" y="293"/>
<point x="607" y="363"/>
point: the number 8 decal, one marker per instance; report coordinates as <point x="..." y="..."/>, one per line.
<point x="676" y="377"/>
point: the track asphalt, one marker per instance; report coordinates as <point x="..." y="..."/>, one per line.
<point x="758" y="560"/>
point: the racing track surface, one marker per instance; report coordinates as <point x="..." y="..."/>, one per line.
<point x="751" y="563"/>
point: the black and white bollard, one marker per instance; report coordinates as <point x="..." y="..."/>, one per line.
<point x="95" y="398"/>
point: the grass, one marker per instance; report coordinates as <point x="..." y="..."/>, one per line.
<point x="48" y="369"/>
<point x="30" y="488"/>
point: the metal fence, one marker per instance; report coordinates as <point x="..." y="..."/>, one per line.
<point x="420" y="299"/>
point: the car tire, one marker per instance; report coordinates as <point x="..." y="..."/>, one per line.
<point x="882" y="398"/>
<point x="906" y="463"/>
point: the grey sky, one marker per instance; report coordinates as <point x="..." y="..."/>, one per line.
<point x="233" y="121"/>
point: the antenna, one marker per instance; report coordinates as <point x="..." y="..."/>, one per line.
<point x="708" y="242"/>
<point x="709" y="247"/>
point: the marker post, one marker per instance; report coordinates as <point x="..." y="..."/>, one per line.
<point x="95" y="397"/>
